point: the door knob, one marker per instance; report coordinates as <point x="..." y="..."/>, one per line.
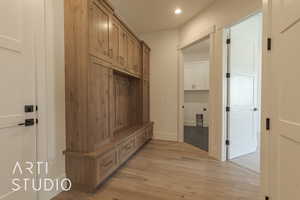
<point x="28" y="122"/>
<point x="255" y="109"/>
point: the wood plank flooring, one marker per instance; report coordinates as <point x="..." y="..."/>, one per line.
<point x="172" y="171"/>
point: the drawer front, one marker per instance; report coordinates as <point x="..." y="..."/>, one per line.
<point x="126" y="149"/>
<point x="106" y="164"/>
<point x="141" y="139"/>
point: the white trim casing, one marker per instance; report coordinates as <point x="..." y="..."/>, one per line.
<point x="210" y="32"/>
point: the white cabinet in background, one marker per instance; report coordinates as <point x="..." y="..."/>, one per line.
<point x="196" y="75"/>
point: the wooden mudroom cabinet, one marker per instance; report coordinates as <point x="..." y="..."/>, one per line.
<point x="107" y="92"/>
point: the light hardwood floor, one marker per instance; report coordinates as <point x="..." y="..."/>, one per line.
<point x="173" y="171"/>
<point x="250" y="161"/>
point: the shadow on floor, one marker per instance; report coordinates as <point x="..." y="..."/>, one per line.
<point x="196" y="136"/>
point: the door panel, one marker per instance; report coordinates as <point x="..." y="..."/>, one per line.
<point x="244" y="87"/>
<point x="242" y="91"/>
<point x="130" y="53"/>
<point x="99" y="31"/>
<point x="243" y="140"/>
<point x="114" y="41"/>
<point x="289" y="12"/>
<point x="146" y="63"/>
<point x="17" y="88"/>
<point x="285" y="112"/>
<point x="123" y="48"/>
<point x="99" y="102"/>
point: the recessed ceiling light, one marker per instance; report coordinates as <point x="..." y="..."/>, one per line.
<point x="178" y="11"/>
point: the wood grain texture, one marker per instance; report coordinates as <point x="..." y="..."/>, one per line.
<point x="99" y="34"/>
<point x="98" y="105"/>
<point x="175" y="171"/>
<point x="103" y="92"/>
<point x="76" y="61"/>
<point x="87" y="171"/>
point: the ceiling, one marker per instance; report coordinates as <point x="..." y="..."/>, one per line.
<point x="145" y="16"/>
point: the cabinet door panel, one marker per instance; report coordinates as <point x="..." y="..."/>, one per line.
<point x="146" y="63"/>
<point x="99" y="31"/>
<point x="123" y="48"/>
<point x="137" y="58"/>
<point x="130" y="53"/>
<point x="114" y="41"/>
<point x="99" y="103"/>
<point x="146" y="101"/>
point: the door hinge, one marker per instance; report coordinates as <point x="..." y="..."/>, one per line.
<point x="227" y="109"/>
<point x="269" y="44"/>
<point x="267" y="198"/>
<point x="227" y="142"/>
<point x="228" y="41"/>
<point x="228" y="75"/>
<point x="268" y="124"/>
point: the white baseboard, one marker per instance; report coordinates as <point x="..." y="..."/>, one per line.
<point x="167" y="136"/>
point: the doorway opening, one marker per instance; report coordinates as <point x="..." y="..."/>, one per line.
<point x="244" y="63"/>
<point x="196" y="94"/>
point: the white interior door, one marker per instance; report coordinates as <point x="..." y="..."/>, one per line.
<point x="285" y="98"/>
<point x="244" y="89"/>
<point x="17" y="89"/>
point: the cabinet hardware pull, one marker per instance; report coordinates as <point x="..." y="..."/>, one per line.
<point x="108" y="163"/>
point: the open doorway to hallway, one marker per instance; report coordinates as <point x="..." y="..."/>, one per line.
<point x="196" y="94"/>
<point x="244" y="58"/>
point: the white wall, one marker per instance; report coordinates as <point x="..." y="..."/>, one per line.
<point x="194" y="103"/>
<point x="219" y="15"/>
<point x="163" y="83"/>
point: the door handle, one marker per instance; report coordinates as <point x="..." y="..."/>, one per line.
<point x="28" y="122"/>
<point x="255" y="109"/>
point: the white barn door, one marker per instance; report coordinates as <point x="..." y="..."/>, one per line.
<point x="285" y="100"/>
<point x="244" y="87"/>
<point x="17" y="89"/>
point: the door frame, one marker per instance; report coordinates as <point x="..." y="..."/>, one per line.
<point x="45" y="27"/>
<point x="209" y="33"/>
<point x="41" y="64"/>
<point x="266" y="98"/>
<point x="265" y="95"/>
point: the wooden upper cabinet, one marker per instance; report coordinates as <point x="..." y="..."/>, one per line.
<point x="137" y="58"/>
<point x="131" y="53"/>
<point x="146" y="63"/>
<point x="99" y="19"/>
<point x="123" y="47"/>
<point x="114" y="41"/>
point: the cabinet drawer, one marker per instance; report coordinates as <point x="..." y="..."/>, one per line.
<point x="141" y="139"/>
<point x="106" y="164"/>
<point x="126" y="149"/>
